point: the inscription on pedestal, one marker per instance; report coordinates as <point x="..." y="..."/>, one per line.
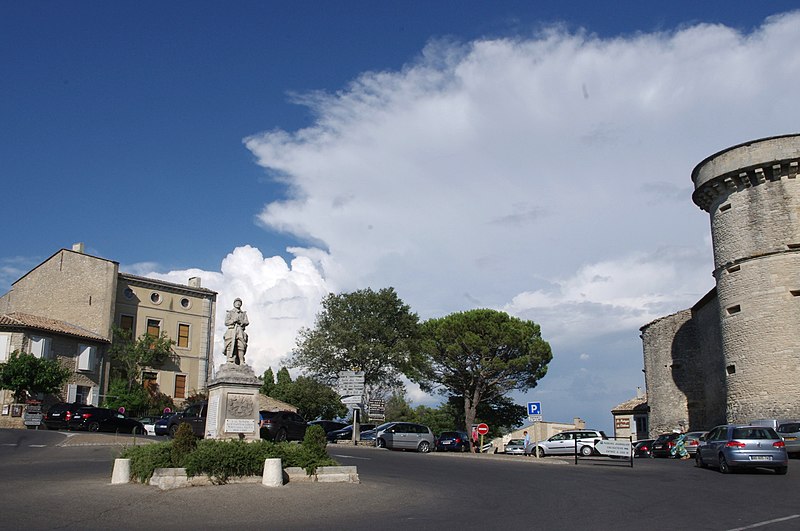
<point x="240" y="425"/>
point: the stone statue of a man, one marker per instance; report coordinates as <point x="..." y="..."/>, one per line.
<point x="235" y="336"/>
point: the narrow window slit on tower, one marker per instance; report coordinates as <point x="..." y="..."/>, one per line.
<point x="793" y="245"/>
<point x="731" y="369"/>
<point x="725" y="207"/>
<point x="734" y="269"/>
<point x="734" y="309"/>
<point x="795" y="292"/>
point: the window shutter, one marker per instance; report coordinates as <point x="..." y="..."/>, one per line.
<point x="5" y="346"/>
<point x="94" y="396"/>
<point x="86" y="355"/>
<point x="72" y="392"/>
<point x="37" y="346"/>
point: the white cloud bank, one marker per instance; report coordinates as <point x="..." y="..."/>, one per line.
<point x="546" y="176"/>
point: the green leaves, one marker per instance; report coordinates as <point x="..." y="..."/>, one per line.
<point x="129" y="356"/>
<point x="370" y="331"/>
<point x="26" y="373"/>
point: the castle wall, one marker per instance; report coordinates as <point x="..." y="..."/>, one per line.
<point x="752" y="194"/>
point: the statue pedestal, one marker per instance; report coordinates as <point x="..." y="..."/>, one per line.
<point x="233" y="404"/>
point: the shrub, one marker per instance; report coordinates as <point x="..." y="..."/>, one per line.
<point x="146" y="458"/>
<point x="183" y="444"/>
<point x="221" y="460"/>
<point x="316" y="441"/>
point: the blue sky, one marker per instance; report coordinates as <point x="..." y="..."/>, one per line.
<point x="527" y="156"/>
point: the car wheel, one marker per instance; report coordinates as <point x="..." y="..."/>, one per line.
<point x="540" y="452"/>
<point x="173" y="430"/>
<point x="699" y="461"/>
<point x="380" y="443"/>
<point x="781" y="470"/>
<point x="138" y="430"/>
<point x="94" y="426"/>
<point x="586" y="451"/>
<point x="281" y="435"/>
<point x="424" y="447"/>
<point x="724" y="467"/>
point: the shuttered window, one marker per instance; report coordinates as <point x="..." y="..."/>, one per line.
<point x="183" y="335"/>
<point x="126" y="323"/>
<point x="180" y="386"/>
<point x="154" y="327"/>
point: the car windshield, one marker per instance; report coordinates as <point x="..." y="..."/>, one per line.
<point x="789" y="428"/>
<point x="384" y="426"/>
<point x="515" y="442"/>
<point x="448" y="435"/>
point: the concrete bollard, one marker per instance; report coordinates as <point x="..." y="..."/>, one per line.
<point x="122" y="472"/>
<point x="273" y="473"/>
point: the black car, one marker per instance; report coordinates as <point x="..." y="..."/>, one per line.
<point x="662" y="446"/>
<point x="346" y="433"/>
<point x="60" y="414"/>
<point x="282" y="426"/>
<point x="194" y="416"/>
<point x="643" y="448"/>
<point x="102" y="419"/>
<point x="453" y="441"/>
<point x="328" y="425"/>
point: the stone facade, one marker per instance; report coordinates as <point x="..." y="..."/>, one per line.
<point x="735" y="355"/>
<point x="73" y="298"/>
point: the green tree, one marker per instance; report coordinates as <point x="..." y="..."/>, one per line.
<point x="136" y="399"/>
<point x="373" y="332"/>
<point x="311" y="397"/>
<point x="129" y="356"/>
<point x="269" y="382"/>
<point x="25" y="374"/>
<point x="481" y="355"/>
<point x="501" y="414"/>
<point x="398" y="409"/>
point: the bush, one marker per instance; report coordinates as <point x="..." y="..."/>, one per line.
<point x="316" y="441"/>
<point x="221" y="460"/>
<point x="183" y="444"/>
<point x="146" y="458"/>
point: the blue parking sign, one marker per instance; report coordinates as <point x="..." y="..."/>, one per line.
<point x="534" y="408"/>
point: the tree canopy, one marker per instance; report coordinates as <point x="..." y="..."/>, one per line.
<point x="311" y="397"/>
<point x="129" y="356"/>
<point x="482" y="354"/>
<point x="369" y="331"/>
<point x="26" y="374"/>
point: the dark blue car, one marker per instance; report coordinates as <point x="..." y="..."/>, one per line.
<point x="453" y="441"/>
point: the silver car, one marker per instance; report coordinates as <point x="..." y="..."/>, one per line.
<point x="567" y="443"/>
<point x="406" y="436"/>
<point x="790" y="433"/>
<point x="730" y="447"/>
<point x="515" y="446"/>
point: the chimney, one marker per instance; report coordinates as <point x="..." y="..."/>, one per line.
<point x="639" y="393"/>
<point x="78" y="247"/>
<point x="195" y="282"/>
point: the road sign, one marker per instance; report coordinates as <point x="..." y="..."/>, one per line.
<point x="615" y="448"/>
<point x="350" y="383"/>
<point x="534" y="408"/>
<point x="483" y="429"/>
<point x="354" y="399"/>
<point x="535" y="418"/>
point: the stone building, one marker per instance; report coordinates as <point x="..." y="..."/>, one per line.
<point x="735" y="355"/>
<point x="65" y="308"/>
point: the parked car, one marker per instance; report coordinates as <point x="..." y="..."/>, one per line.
<point x="282" y="426"/>
<point x="664" y="443"/>
<point x="346" y="433"/>
<point x="729" y="447"/>
<point x="406" y="436"/>
<point x="161" y="426"/>
<point x="453" y="441"/>
<point x="515" y="446"/>
<point x="194" y="416"/>
<point x="149" y="422"/>
<point x="566" y="443"/>
<point x="102" y="419"/>
<point x="60" y="414"/>
<point x="643" y="448"/>
<point x="328" y="425"/>
<point x="692" y="441"/>
<point x="790" y="433"/>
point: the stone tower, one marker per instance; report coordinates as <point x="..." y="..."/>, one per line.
<point x="752" y="193"/>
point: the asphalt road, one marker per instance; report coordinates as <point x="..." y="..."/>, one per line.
<point x="53" y="481"/>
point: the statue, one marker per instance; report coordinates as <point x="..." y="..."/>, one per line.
<point x="235" y="336"/>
